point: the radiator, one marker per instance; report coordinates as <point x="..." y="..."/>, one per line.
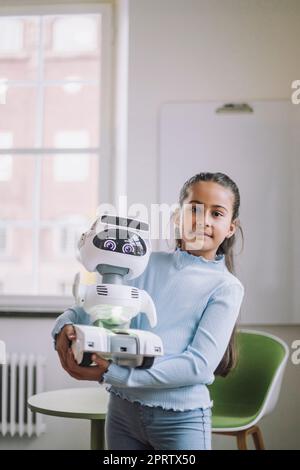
<point x="21" y="377"/>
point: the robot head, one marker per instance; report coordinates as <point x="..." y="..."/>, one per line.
<point x="120" y="241"/>
<point x="116" y="241"/>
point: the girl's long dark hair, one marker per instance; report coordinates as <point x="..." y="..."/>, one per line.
<point x="230" y="357"/>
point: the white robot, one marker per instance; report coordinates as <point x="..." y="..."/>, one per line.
<point x="118" y="248"/>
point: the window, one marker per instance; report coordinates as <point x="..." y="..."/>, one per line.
<point x="5" y="167"/>
<point x="71" y="167"/>
<point x="6" y="139"/>
<point x="50" y="181"/>
<point x="3" y="90"/>
<point x="66" y="235"/>
<point x="3" y="240"/>
<point x="6" y="242"/>
<point x="65" y="288"/>
<point x="11" y="36"/>
<point x="75" y="34"/>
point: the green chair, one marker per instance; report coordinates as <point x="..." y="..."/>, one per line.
<point x="251" y="390"/>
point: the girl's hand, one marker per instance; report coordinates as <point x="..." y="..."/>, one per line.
<point x="63" y="341"/>
<point x="86" y="373"/>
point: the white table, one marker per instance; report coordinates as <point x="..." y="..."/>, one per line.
<point x="82" y="403"/>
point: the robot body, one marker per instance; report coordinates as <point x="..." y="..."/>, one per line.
<point x="118" y="249"/>
<point x="126" y="347"/>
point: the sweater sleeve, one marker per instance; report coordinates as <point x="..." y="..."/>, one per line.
<point x="77" y="315"/>
<point x="70" y="316"/>
<point x="202" y="356"/>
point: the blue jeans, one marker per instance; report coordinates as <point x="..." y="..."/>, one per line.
<point x="132" y="426"/>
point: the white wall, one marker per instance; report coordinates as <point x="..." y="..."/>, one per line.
<point x="181" y="50"/>
<point x="257" y="151"/>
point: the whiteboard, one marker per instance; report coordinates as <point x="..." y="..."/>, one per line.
<point x="260" y="152"/>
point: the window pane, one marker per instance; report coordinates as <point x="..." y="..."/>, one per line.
<point x="4" y="241"/>
<point x="50" y="76"/>
<point x="18" y="48"/>
<point x="11" y="36"/>
<point x="17" y="188"/>
<point x="72" y="46"/>
<point x="67" y="209"/>
<point x="71" y="168"/>
<point x="16" y="274"/>
<point x="58" y="264"/>
<point x="67" y="112"/>
<point x="18" y="117"/>
<point x="6" y="167"/>
<point x="6" y="164"/>
<point x="75" y="198"/>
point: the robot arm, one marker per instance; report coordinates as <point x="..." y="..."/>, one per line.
<point x="82" y="294"/>
<point x="78" y="290"/>
<point x="148" y="308"/>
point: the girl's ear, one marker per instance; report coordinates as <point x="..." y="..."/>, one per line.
<point x="233" y="227"/>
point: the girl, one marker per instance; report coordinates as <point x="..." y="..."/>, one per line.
<point x="198" y="299"/>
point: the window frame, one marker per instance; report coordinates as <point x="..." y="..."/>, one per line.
<point x="56" y="303"/>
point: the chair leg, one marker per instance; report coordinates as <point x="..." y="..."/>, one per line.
<point x="258" y="438"/>
<point x="241" y="437"/>
<point x="241" y="440"/>
<point x="256" y="435"/>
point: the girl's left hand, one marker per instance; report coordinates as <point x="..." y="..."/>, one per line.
<point x="86" y="373"/>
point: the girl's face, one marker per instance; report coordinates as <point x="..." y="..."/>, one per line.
<point x="206" y="218"/>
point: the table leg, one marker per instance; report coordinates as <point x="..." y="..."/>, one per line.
<point x="97" y="434"/>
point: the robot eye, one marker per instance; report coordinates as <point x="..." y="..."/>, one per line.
<point x="127" y="248"/>
<point x="110" y="245"/>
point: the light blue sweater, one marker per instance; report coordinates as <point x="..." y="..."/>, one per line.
<point x="197" y="302"/>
